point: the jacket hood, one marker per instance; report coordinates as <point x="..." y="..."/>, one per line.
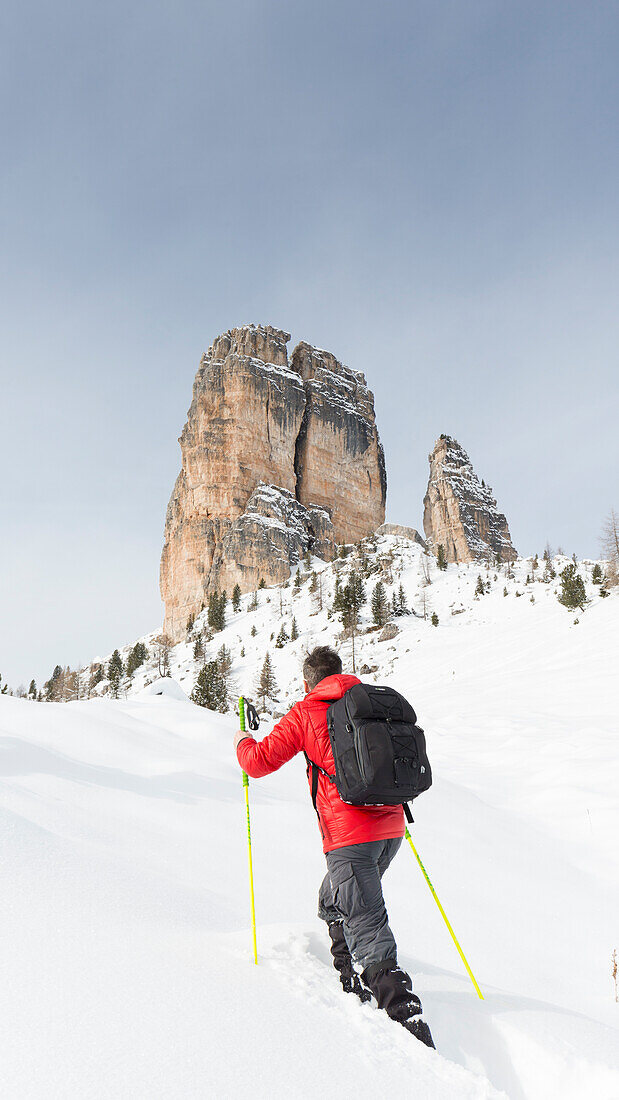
<point x="333" y="687"/>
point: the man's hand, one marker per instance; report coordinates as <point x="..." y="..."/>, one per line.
<point x="240" y="736"/>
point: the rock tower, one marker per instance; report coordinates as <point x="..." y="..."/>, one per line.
<point x="278" y="456"/>
<point x="460" y="512"/>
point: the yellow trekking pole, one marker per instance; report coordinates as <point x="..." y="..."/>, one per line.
<point x="443" y="914"/>
<point x="251" y="870"/>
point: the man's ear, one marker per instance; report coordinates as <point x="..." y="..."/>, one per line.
<point x="306" y="687"/>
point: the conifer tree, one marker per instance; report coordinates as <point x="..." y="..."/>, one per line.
<point x="137" y="656"/>
<point x="198" y="648"/>
<point x="32" y="690"/>
<point x="266" y="686"/>
<point x="216" y="614"/>
<point x="236" y="598"/>
<point x="253" y="631"/>
<point x="313" y="582"/>
<point x="572" y="593"/>
<point x="596" y="575"/>
<point x="211" y="689"/>
<point x="352" y="599"/>
<point x="262" y="583"/>
<point x="297" y="580"/>
<point x="480" y="589"/>
<point x="379" y="604"/>
<point x="441" y="560"/>
<point x="307" y="560"/>
<point x="434" y="619"/>
<point x="282" y="637"/>
<point x="294" y="630"/>
<point x="115" y="672"/>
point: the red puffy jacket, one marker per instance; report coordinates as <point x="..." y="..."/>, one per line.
<point x="304" y="728"/>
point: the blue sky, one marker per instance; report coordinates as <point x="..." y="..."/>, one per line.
<point x="429" y="190"/>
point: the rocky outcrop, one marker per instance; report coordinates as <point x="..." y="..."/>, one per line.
<point x="460" y="512"/>
<point x="278" y="457"/>
<point x="269" y="538"/>
<point x="402" y="532"/>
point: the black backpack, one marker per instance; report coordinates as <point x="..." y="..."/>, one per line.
<point x="378" y="748"/>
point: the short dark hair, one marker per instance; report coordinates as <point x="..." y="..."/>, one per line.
<point x="322" y="661"/>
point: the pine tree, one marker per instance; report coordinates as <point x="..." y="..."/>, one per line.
<point x="236" y="598"/>
<point x="313" y="582"/>
<point x="115" y="672"/>
<point x="189" y="625"/>
<point x="262" y="583"/>
<point x="572" y="593"/>
<point x="297" y="580"/>
<point x="137" y="656"/>
<point x="32" y="690"/>
<point x="282" y="637"/>
<point x="211" y="689"/>
<point x="253" y="631"/>
<point x="198" y="648"/>
<point x="294" y="630"/>
<point x="352" y="599"/>
<point x="216" y="614"/>
<point x="254" y="602"/>
<point x="480" y="590"/>
<point x="441" y="560"/>
<point x="596" y="575"/>
<point x="266" y="686"/>
<point x="434" y="619"/>
<point x="224" y="660"/>
<point x="379" y="604"/>
<point x="307" y="560"/>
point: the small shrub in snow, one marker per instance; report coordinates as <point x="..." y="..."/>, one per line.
<point x="434" y="619"/>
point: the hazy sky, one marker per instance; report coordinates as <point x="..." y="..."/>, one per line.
<point x="427" y="189"/>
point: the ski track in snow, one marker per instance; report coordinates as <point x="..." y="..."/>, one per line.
<point x="126" y="966"/>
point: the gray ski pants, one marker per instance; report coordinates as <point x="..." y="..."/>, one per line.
<point x="351" y="892"/>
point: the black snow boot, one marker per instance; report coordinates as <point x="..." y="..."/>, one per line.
<point x="393" y="990"/>
<point x="342" y="961"/>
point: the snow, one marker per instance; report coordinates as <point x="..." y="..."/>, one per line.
<point x="126" y="966"/>
<point x="165" y="685"/>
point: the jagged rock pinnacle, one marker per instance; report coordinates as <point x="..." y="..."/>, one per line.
<point x="460" y="512"/>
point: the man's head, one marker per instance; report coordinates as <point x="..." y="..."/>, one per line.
<point x="322" y="661"/>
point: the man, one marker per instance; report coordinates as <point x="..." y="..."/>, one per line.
<point x="359" y="843"/>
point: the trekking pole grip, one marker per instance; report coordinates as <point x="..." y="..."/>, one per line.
<point x="242" y="728"/>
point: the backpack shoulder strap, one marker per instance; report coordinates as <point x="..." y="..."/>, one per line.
<point x="316" y="769"/>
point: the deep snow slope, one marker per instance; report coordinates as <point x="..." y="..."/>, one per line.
<point x="126" y="950"/>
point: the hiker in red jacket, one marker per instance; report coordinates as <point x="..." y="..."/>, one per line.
<point x="359" y="843"/>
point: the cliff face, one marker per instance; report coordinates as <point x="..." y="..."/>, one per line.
<point x="277" y="457"/>
<point x="339" y="458"/>
<point x="460" y="512"/>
